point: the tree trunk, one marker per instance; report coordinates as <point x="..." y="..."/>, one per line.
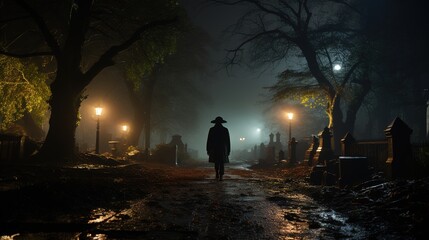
<point x="142" y="113"/>
<point x="66" y="89"/>
<point x="59" y="145"/>
<point x="355" y="104"/>
<point x="334" y="111"/>
<point x="138" y="118"/>
<point x="336" y="123"/>
<point x="147" y="128"/>
<point x="149" y="87"/>
<point x="136" y="127"/>
<point x="338" y="126"/>
<point x="70" y="81"/>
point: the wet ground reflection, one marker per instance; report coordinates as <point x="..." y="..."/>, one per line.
<point x="100" y="215"/>
<point x="97" y="236"/>
<point x="303" y="218"/>
<point x="244" y="206"/>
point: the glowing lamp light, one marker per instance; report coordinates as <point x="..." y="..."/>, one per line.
<point x="98" y="111"/>
<point x="125" y="128"/>
<point x="337" y="67"/>
<point x="290" y="115"/>
<point x="258" y="130"/>
<point x="242" y="139"/>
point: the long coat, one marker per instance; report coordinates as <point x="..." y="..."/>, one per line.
<point x="218" y="144"/>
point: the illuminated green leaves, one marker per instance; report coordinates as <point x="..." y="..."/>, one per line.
<point x="22" y="89"/>
<point x="299" y="86"/>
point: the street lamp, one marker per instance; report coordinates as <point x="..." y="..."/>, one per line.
<point x="125" y="129"/>
<point x="290" y="117"/>
<point x="98" y="111"/>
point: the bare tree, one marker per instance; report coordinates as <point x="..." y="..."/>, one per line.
<point x="316" y="35"/>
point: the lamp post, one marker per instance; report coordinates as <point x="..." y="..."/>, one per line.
<point x="290" y="117"/>
<point x="292" y="142"/>
<point x="98" y="111"/>
<point x="125" y="130"/>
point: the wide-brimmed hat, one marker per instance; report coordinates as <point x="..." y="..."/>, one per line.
<point x="218" y="120"/>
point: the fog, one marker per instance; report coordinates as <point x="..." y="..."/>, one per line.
<point x="235" y="93"/>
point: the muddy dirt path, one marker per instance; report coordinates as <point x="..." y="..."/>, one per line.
<point x="191" y="204"/>
<point x="158" y="202"/>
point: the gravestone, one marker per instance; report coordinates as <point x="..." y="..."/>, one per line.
<point x="311" y="151"/>
<point x="399" y="153"/>
<point x="324" y="152"/>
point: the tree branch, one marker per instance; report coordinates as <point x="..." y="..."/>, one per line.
<point x="13" y="19"/>
<point x="309" y="14"/>
<point x="245" y="42"/>
<point x="26" y="55"/>
<point x="328" y="56"/>
<point x="349" y="73"/>
<point x="49" y="38"/>
<point x="348" y="5"/>
<point x="284" y="17"/>
<point x="335" y="28"/>
<point x="288" y="6"/>
<point x="261" y="7"/>
<point x="106" y="59"/>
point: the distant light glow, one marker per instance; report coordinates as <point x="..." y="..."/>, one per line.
<point x="242" y="138"/>
<point x="290" y="115"/>
<point x="98" y="111"/>
<point x="337" y="67"/>
<point x="125" y="128"/>
<point x="258" y="130"/>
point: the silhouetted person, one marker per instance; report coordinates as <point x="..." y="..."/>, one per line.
<point x="218" y="146"/>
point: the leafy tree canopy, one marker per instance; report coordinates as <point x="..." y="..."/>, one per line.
<point x="145" y="55"/>
<point x="299" y="86"/>
<point x="23" y="89"/>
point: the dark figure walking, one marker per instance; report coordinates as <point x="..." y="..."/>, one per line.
<point x="218" y="146"/>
